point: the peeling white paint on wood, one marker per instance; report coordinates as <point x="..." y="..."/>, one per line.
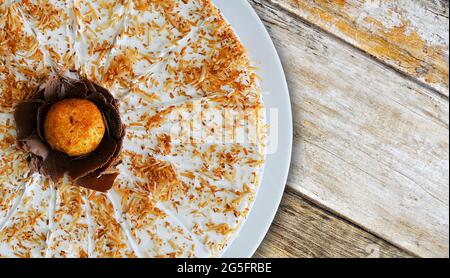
<point x="411" y="36"/>
<point x="370" y="144"/>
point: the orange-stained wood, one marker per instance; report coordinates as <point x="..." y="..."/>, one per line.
<point x="398" y="33"/>
<point x="370" y="144"/>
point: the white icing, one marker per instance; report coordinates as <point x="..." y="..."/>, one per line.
<point x="186" y="226"/>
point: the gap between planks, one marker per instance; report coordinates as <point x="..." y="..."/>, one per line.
<point x="303" y="228"/>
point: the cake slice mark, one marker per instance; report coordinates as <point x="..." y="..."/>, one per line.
<point x="97" y="26"/>
<point x="152" y="230"/>
<point x="211" y="62"/>
<point x="25" y="234"/>
<point x="90" y="226"/>
<point x="68" y="222"/>
<point x="156" y="234"/>
<point x="196" y="121"/>
<point x="16" y="200"/>
<point x="109" y="238"/>
<point x="215" y="200"/>
<point x="48" y="57"/>
<point x="200" y="250"/>
<point x="133" y="56"/>
<point x="121" y="70"/>
<point x="52" y="23"/>
<point x="188" y="202"/>
<point x="211" y="184"/>
<point x="195" y="208"/>
<point x="131" y="78"/>
<point x="121" y="28"/>
<point x="50" y="216"/>
<point x="14" y="171"/>
<point x="118" y="215"/>
<point x="23" y="66"/>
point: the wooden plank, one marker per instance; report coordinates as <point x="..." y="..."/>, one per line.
<point x="304" y="230"/>
<point x="411" y="36"/>
<point x="369" y="144"/>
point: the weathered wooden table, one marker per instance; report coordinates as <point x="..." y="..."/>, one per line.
<point x="369" y="84"/>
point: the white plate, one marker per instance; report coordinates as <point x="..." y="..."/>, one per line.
<point x="254" y="36"/>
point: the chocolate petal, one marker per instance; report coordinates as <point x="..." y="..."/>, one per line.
<point x="90" y="85"/>
<point x="106" y="94"/>
<point x="114" y="157"/>
<point x="105" y="121"/>
<point x="77" y="90"/>
<point x="39" y="95"/>
<point x="55" y="165"/>
<point x="94" y="88"/>
<point x="52" y="90"/>
<point x="113" y="120"/>
<point x="35" y="145"/>
<point x="41" y="114"/>
<point x="98" y="183"/>
<point x="98" y="99"/>
<point x="101" y="156"/>
<point x="25" y="116"/>
<point x="35" y="164"/>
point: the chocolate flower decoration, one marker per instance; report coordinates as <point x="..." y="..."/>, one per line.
<point x="95" y="170"/>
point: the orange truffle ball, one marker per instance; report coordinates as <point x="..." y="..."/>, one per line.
<point x="74" y="127"/>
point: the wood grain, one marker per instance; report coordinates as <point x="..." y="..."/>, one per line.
<point x="304" y="230"/>
<point x="411" y="36"/>
<point x="370" y="145"/>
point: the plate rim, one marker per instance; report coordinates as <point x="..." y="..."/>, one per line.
<point x="254" y="229"/>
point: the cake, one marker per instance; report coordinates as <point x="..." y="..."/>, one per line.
<point x="158" y="155"/>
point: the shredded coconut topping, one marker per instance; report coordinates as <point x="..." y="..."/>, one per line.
<point x="190" y="99"/>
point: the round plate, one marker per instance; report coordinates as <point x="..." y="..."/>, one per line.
<point x="263" y="54"/>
